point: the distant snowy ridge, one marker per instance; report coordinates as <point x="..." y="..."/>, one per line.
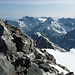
<point x="55" y="30"/>
<point x="60" y="26"/>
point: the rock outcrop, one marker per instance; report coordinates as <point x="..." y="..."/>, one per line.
<point x="6" y="68"/>
<point x="44" y="42"/>
<point x="19" y="55"/>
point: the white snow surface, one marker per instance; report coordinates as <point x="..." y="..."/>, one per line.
<point x="42" y="19"/>
<point x="66" y="59"/>
<point x="39" y="34"/>
<point x="21" y="23"/>
<point x="56" y="27"/>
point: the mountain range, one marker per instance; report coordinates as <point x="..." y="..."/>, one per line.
<point x="60" y="31"/>
<point x="20" y="56"/>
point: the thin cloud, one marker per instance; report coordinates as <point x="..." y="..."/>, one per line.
<point x="40" y="2"/>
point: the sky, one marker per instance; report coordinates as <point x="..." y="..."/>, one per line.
<point x="37" y="8"/>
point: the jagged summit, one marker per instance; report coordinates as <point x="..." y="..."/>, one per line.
<point x="49" y="20"/>
<point x="20" y="56"/>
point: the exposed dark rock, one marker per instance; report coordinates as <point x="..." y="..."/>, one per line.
<point x="1" y="30"/>
<point x="41" y="42"/>
<point x="34" y="70"/>
<point x="22" y="62"/>
<point x="44" y="42"/>
<point x="19" y="43"/>
<point x="45" y="66"/>
<point x="53" y="69"/>
<point x="71" y="73"/>
<point x="68" y="41"/>
<point x="63" y="67"/>
<point x="61" y="73"/>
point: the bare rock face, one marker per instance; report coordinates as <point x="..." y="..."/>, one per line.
<point x="34" y="70"/>
<point x="43" y="42"/>
<point x="6" y="46"/>
<point x="22" y="57"/>
<point x="6" y="68"/>
<point x="71" y="73"/>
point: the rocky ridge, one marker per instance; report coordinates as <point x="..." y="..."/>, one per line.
<point x="43" y="42"/>
<point x="20" y="56"/>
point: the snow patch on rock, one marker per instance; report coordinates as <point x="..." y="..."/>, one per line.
<point x="21" y="23"/>
<point x="42" y="19"/>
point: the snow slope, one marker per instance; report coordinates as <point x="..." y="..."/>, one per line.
<point x="65" y="58"/>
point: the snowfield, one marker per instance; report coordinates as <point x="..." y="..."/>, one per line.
<point x="64" y="58"/>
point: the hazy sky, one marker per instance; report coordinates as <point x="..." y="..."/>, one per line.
<point x="37" y="8"/>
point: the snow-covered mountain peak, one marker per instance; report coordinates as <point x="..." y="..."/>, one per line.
<point x="49" y="20"/>
<point x="57" y="28"/>
<point x="27" y="18"/>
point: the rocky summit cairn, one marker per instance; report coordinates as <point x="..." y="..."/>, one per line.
<point x="19" y="55"/>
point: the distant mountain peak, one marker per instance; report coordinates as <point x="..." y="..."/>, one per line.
<point x="49" y="20"/>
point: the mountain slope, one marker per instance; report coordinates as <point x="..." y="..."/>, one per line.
<point x="24" y="57"/>
<point x="68" y="41"/>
